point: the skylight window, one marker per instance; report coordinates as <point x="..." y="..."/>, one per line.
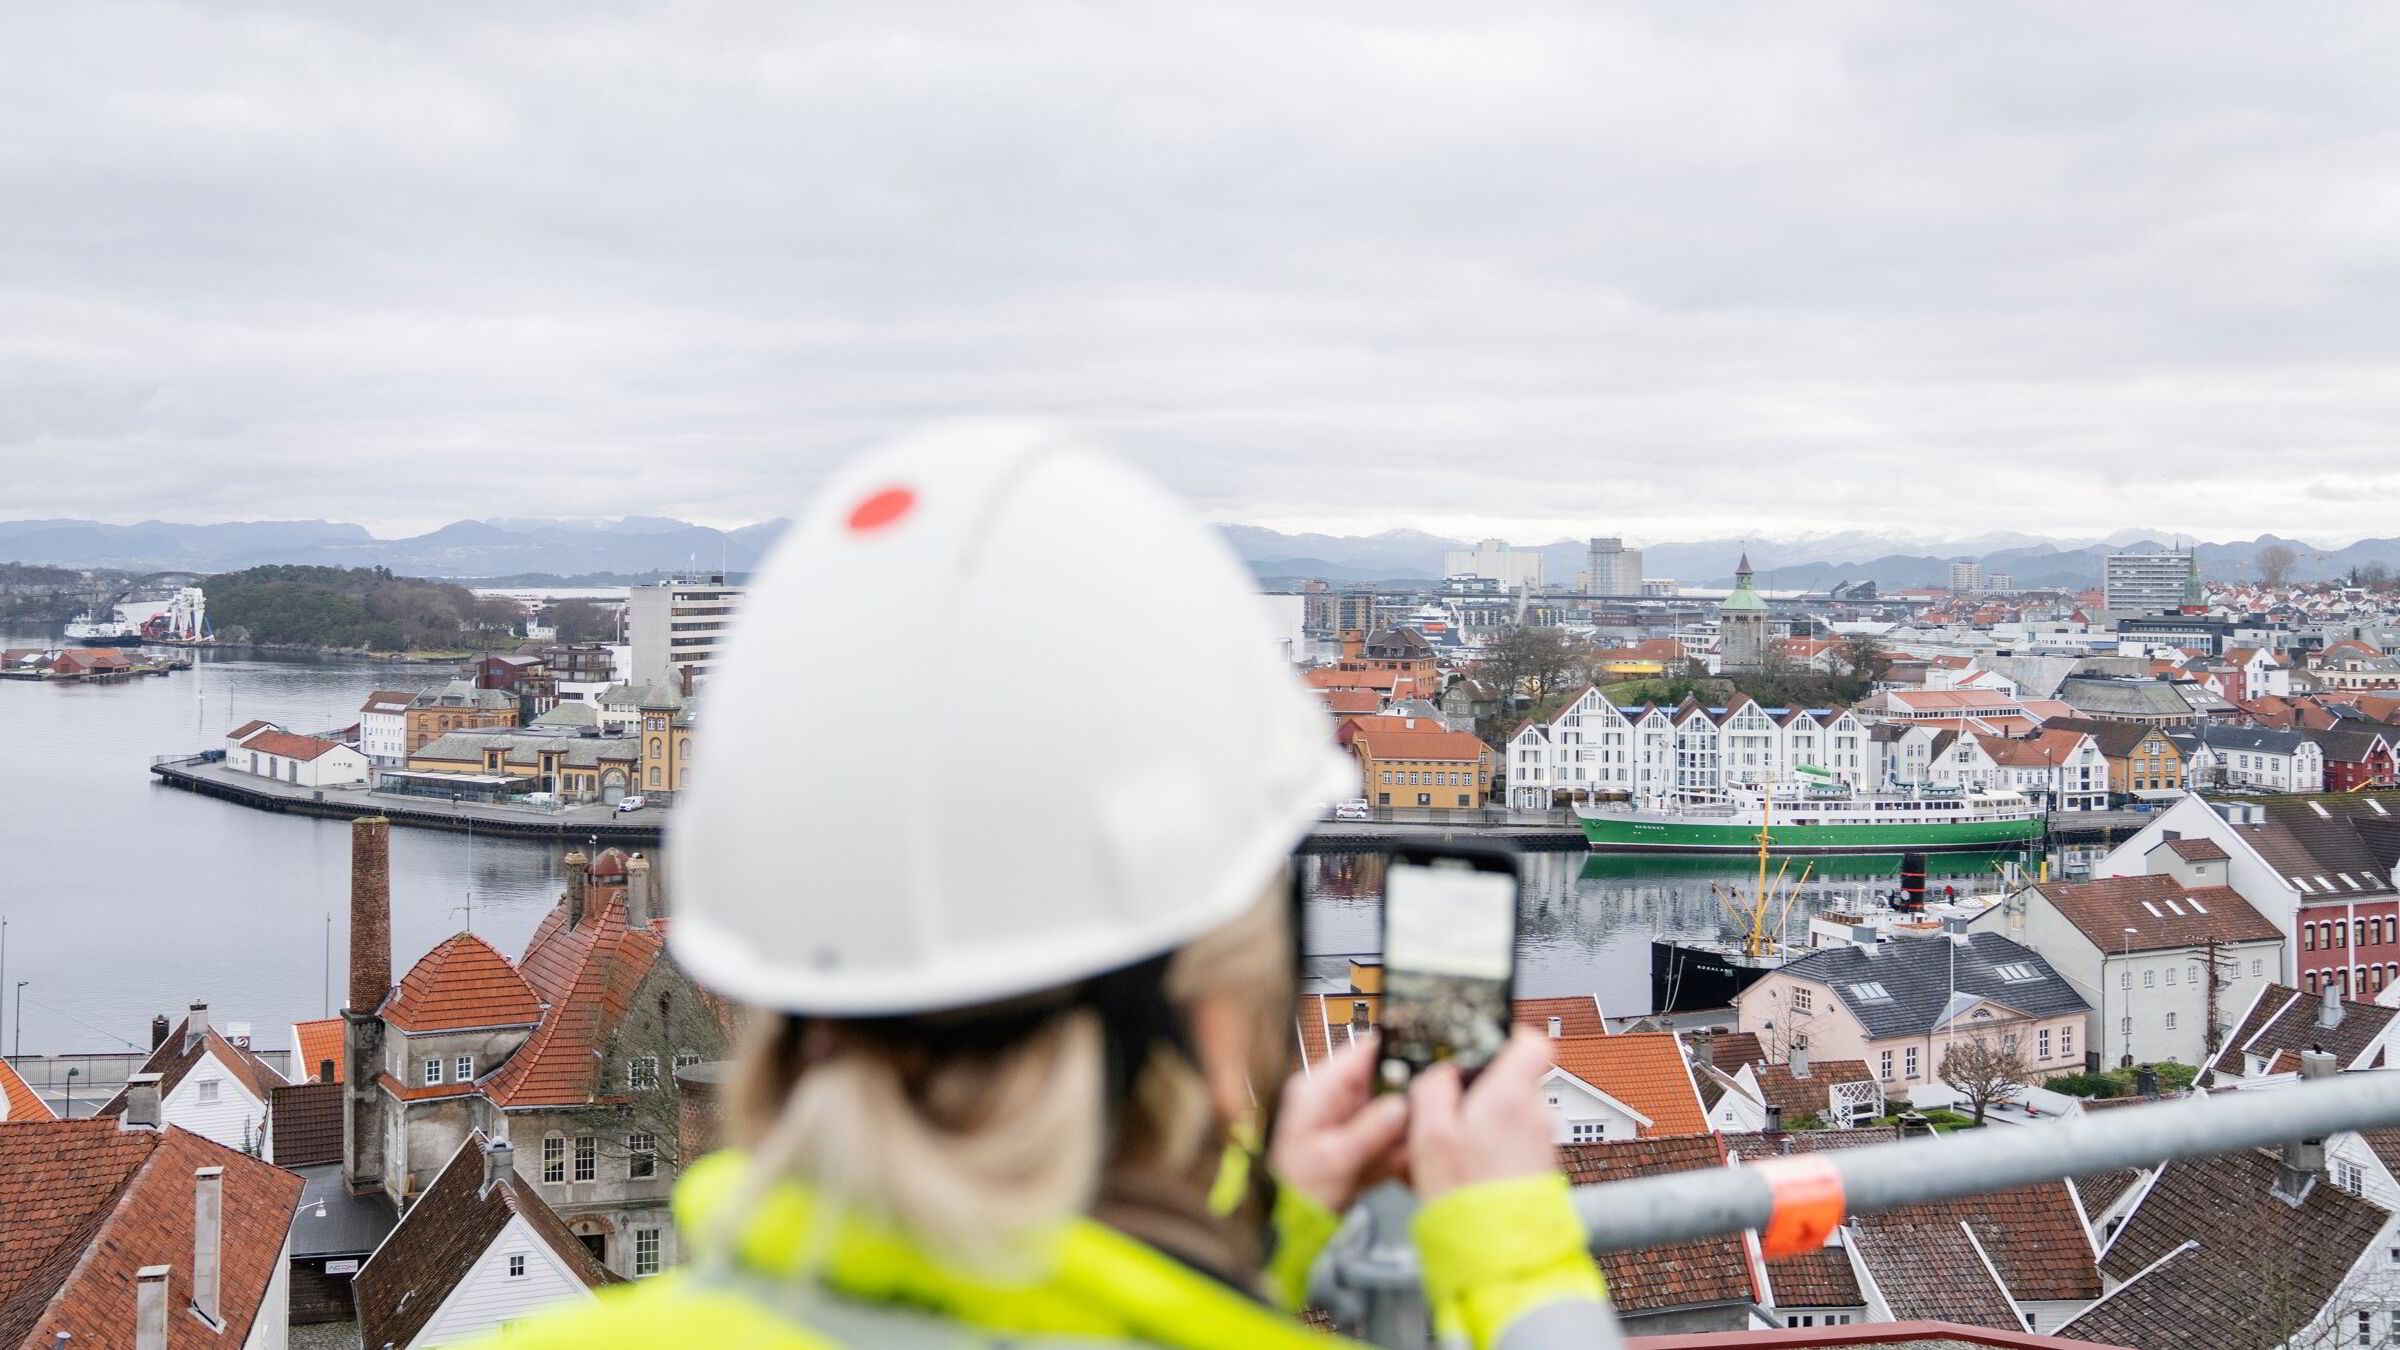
<point x="2353" y="882"/>
<point x="2016" y="972"/>
<point x="2194" y="902"/>
<point x="1871" y="992"/>
<point x="2153" y="909"/>
<point x="2300" y="884"/>
<point x="2174" y="909"/>
<point x="2376" y="807"/>
<point x="2319" y="808"/>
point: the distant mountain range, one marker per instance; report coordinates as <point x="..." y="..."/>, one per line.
<point x="633" y="546"/>
<point x="642" y="545"/>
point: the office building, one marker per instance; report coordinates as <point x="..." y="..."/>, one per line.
<point x="1613" y="569"/>
<point x="1511" y="567"/>
<point x="2152" y="583"/>
<point x="1966" y="578"/>
<point x="677" y="626"/>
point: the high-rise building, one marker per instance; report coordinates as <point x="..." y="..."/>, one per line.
<point x="1966" y="578"/>
<point x="2152" y="583"/>
<point x="678" y="625"/>
<point x="1613" y="569"/>
<point x="1493" y="558"/>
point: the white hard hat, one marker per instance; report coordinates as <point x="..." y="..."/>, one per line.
<point x="998" y="714"/>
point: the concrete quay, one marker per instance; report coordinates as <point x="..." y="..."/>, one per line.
<point x="571" y="824"/>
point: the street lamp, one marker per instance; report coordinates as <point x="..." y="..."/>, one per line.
<point x="19" y="1051"/>
<point x="2129" y="932"/>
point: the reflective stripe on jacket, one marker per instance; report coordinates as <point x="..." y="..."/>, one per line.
<point x="1501" y="1251"/>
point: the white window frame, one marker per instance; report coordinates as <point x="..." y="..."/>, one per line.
<point x="587" y="1157"/>
<point x="554" y="1160"/>
<point x="433" y="1071"/>
<point x="647" y="1245"/>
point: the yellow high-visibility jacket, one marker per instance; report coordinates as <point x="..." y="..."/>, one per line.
<point x="1492" y="1253"/>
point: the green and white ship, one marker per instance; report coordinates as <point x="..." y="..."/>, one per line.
<point x="1820" y="813"/>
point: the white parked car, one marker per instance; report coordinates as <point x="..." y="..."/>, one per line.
<point x="632" y="804"/>
<point x="1354" y="809"/>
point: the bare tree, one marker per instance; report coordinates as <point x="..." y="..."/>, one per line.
<point x="2275" y="564"/>
<point x="1529" y="662"/>
<point x="1985" y="1071"/>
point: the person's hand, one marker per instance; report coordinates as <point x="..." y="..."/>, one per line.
<point x="1495" y="1130"/>
<point x="1333" y="1136"/>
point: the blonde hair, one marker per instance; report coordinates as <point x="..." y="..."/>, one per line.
<point x="972" y="1146"/>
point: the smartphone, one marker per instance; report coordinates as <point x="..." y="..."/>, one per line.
<point x="1449" y="957"/>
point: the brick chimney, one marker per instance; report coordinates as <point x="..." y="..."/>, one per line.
<point x="637" y="892"/>
<point x="208" y="1242"/>
<point x="150" y="1308"/>
<point x="370" y="913"/>
<point x="699" y="1120"/>
<point x="579" y="871"/>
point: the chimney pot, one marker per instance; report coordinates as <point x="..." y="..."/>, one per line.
<point x="1704" y="1050"/>
<point x="637" y="892"/>
<point x="150" y="1308"/>
<point x="370" y="913"/>
<point x="1359" y="1021"/>
<point x="1774" y="1118"/>
<point x="499" y="1160"/>
<point x="208" y="1241"/>
<point x="141" y="1103"/>
<point x="2329" y="1005"/>
<point x="1558" y="1027"/>
<point x="195" y="1027"/>
<point x="159" y="1026"/>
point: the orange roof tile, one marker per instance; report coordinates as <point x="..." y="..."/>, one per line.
<point x="1645" y="1070"/>
<point x="90" y="1203"/>
<point x="19" y="1102"/>
<point x="288" y="745"/>
<point x="1449" y="746"/>
<point x="462" y="983"/>
<point x="314" y="1044"/>
<point x="1578" y="1016"/>
<point x="589" y="973"/>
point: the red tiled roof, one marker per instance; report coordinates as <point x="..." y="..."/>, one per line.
<point x="19" y="1102"/>
<point x="387" y="700"/>
<point x="88" y="1204"/>
<point x="587" y="973"/>
<point x="315" y="1044"/>
<point x="1810" y="1096"/>
<point x="1578" y="1015"/>
<point x="2198" y="850"/>
<point x="1344" y="702"/>
<point x="2166" y="912"/>
<point x="1454" y="746"/>
<point x="1644" y="1070"/>
<point x="305" y="1124"/>
<point x="461" y="983"/>
<point x="289" y="746"/>
<point x="1705" y="1271"/>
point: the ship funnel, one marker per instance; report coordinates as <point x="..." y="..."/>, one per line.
<point x="1912" y="882"/>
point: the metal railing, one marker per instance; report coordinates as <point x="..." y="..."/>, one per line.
<point x="1370" y="1279"/>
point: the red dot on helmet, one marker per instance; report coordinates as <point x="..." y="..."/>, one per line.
<point x="879" y="509"/>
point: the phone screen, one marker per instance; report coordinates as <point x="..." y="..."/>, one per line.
<point x="1449" y="960"/>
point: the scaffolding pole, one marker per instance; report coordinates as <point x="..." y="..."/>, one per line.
<point x="1648" y="1211"/>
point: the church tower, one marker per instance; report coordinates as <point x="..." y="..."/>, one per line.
<point x="1741" y="626"/>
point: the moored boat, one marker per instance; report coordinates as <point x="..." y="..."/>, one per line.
<point x="1817" y="814"/>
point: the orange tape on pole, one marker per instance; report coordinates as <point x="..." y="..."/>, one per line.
<point x="1807" y="1191"/>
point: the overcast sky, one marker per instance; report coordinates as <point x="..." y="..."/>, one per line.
<point x="1534" y="270"/>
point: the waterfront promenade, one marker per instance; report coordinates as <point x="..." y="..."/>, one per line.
<point x="572" y="823"/>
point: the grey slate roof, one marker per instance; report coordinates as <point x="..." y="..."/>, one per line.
<point x="1921" y="975"/>
<point x="463" y="694"/>
<point x="2124" y="698"/>
<point x="583" y="752"/>
<point x="569" y="714"/>
<point x="2255" y="740"/>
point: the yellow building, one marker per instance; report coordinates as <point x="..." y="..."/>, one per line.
<point x="638" y="743"/>
<point x="1444" y="770"/>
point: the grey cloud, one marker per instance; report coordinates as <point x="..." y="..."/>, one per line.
<point x="1633" y="268"/>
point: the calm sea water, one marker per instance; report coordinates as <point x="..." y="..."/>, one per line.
<point x="124" y="898"/>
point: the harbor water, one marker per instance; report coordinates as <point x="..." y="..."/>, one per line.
<point x="125" y="898"/>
